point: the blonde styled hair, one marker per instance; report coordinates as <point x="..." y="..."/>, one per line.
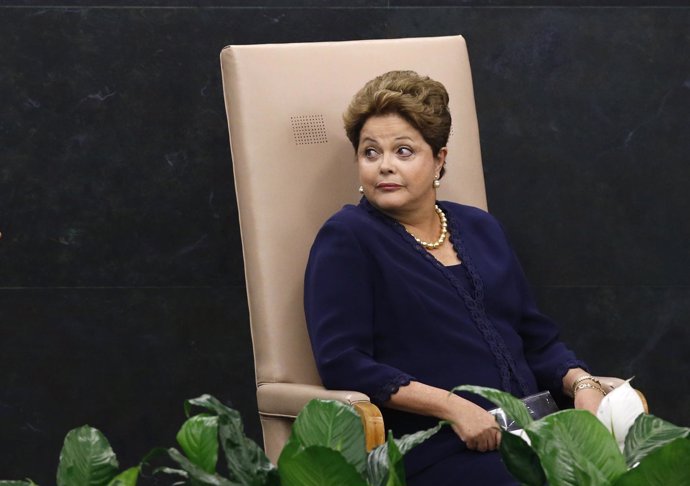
<point x="420" y="100"/>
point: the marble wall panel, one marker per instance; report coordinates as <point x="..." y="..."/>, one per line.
<point x="630" y="331"/>
<point x="326" y="4"/>
<point x="537" y="3"/>
<point x="118" y="159"/>
<point x="253" y="4"/>
<point x="121" y="360"/>
<point x="118" y="165"/>
<point x="585" y="134"/>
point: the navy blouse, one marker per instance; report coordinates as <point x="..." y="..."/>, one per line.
<point x="382" y="311"/>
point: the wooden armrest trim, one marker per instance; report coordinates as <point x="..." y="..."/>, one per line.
<point x="372" y="420"/>
<point x="285" y="400"/>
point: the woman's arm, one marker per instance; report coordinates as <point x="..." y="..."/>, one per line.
<point x="339" y="308"/>
<point x="586" y="398"/>
<point x="474" y="425"/>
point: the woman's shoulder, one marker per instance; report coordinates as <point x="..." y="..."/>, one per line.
<point x="349" y="216"/>
<point x="353" y="221"/>
<point x="348" y="232"/>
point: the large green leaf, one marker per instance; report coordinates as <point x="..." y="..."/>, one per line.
<point x="317" y="466"/>
<point x="195" y="473"/>
<point x="86" y="459"/>
<point x="408" y="441"/>
<point x="198" y="438"/>
<point x="522" y="462"/>
<point x="210" y="403"/>
<point x="377" y="465"/>
<point x="247" y="462"/>
<point x="396" y="468"/>
<point x="665" y="466"/>
<point x="575" y="449"/>
<point x="647" y="434"/>
<point x="378" y="459"/>
<point x="173" y="472"/>
<point x="513" y="407"/>
<point x="334" y="425"/>
<point x="127" y="477"/>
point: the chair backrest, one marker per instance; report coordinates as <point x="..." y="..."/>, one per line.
<point x="294" y="167"/>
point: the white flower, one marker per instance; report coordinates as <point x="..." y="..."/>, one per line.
<point x="619" y="409"/>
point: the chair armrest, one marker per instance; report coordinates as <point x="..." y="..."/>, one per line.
<point x="287" y="399"/>
<point x="372" y="421"/>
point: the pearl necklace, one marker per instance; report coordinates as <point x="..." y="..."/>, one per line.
<point x="444" y="232"/>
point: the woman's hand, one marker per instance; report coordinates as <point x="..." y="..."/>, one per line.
<point x="476" y="427"/>
<point x="587" y="391"/>
<point x="588" y="399"/>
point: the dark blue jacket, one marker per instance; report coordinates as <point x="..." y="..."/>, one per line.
<point x="382" y="311"/>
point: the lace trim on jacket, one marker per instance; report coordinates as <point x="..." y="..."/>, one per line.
<point x="384" y="393"/>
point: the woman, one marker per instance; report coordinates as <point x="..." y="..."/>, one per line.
<point x="407" y="297"/>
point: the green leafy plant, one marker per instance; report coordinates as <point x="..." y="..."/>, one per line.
<point x="573" y="448"/>
<point x="87" y="459"/>
<point x="325" y="430"/>
<point x="326" y="447"/>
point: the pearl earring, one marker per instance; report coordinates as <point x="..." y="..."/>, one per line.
<point x="361" y="190"/>
<point x="437" y="183"/>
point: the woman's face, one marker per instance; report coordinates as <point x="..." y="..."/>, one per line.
<point x="396" y="166"/>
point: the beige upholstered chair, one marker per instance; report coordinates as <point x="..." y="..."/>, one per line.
<point x="294" y="167"/>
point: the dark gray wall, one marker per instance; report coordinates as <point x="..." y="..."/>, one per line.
<point x="121" y="278"/>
